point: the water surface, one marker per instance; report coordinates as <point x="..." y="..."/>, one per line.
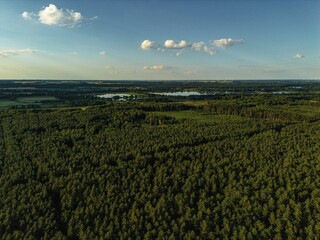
<point x="180" y="94"/>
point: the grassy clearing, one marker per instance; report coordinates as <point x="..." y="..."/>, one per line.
<point x="8" y="103"/>
<point x="5" y="103"/>
<point x="36" y="99"/>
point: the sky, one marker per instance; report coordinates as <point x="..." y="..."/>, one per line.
<point x="159" y="39"/>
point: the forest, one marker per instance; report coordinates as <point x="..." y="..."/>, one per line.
<point x="238" y="166"/>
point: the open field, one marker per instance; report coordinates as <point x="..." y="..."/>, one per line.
<point x="9" y="103"/>
<point x="36" y="99"/>
<point x="24" y="101"/>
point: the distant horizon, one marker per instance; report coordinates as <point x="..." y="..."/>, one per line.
<point x="159" y="80"/>
<point x="160" y="39"/>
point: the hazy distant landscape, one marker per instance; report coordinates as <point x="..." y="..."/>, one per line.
<point x="48" y="93"/>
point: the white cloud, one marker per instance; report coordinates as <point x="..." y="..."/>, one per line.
<point x="27" y="15"/>
<point x="154" y="67"/>
<point x="103" y="53"/>
<point x="181" y="46"/>
<point x="51" y="15"/>
<point x="202" y="46"/>
<point x="8" y="53"/>
<point x="226" y="42"/>
<point x="298" y="56"/>
<point x="172" y="44"/>
<point x="147" y="44"/>
<point x="197" y="46"/>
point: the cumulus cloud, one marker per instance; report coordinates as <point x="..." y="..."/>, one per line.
<point x="202" y="46"/>
<point x="172" y="44"/>
<point x="154" y="67"/>
<point x="147" y="44"/>
<point x="178" y="46"/>
<point x="298" y="56"/>
<point x="226" y="42"/>
<point x="103" y="53"/>
<point x="27" y="15"/>
<point x="9" y="53"/>
<point x="51" y="15"/>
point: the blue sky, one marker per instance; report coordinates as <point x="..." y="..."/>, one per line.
<point x="153" y="39"/>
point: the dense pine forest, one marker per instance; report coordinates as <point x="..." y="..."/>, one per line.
<point x="243" y="166"/>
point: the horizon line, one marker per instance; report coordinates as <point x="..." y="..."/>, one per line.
<point x="162" y="80"/>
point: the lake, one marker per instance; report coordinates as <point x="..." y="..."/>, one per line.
<point x="180" y="94"/>
<point x="112" y="95"/>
